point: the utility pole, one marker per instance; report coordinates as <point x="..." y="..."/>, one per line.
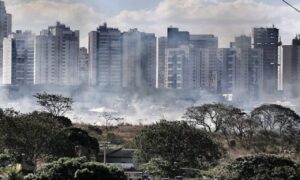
<point x="107" y="116"/>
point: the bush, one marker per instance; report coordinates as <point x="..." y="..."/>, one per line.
<point x="76" y="169"/>
<point x="183" y="147"/>
<point x="256" y="167"/>
<point x="5" y="160"/>
<point x="232" y="143"/>
<point x="66" y="122"/>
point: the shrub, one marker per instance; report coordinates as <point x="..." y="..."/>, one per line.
<point x="256" y="167"/>
<point x="76" y="169"/>
<point x="5" y="160"/>
<point x="183" y="147"/>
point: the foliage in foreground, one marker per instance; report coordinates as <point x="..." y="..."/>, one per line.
<point x="39" y="136"/>
<point x="11" y="172"/>
<point x="76" y="169"/>
<point x="178" y="146"/>
<point x="255" y="167"/>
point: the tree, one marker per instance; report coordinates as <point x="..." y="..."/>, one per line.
<point x="210" y="116"/>
<point x="254" y="167"/>
<point x="30" y="134"/>
<point x="6" y="159"/>
<point x="41" y="136"/>
<point x="180" y="145"/>
<point x="239" y="125"/>
<point x="272" y="117"/>
<point x="76" y="169"/>
<point x="57" y="105"/>
<point x="155" y="167"/>
<point x="81" y="143"/>
<point x="11" y="172"/>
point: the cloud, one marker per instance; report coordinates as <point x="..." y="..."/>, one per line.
<point x="39" y="14"/>
<point x="224" y="18"/>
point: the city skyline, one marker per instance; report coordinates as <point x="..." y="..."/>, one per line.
<point x="224" y="18"/>
<point x="136" y="60"/>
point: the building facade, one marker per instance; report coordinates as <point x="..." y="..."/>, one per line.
<point x="291" y="68"/>
<point x="210" y="74"/>
<point x="227" y="58"/>
<point x="162" y="46"/>
<point x="267" y="39"/>
<point x="18" y="58"/>
<point x="105" y="58"/>
<point x="241" y="69"/>
<point x="177" y="38"/>
<point x="56" y="58"/>
<point x="183" y="66"/>
<point x="83" y="70"/>
<point x="5" y="30"/>
<point x="139" y="60"/>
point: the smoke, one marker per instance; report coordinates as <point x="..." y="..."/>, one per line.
<point x="135" y="107"/>
<point x="142" y="107"/>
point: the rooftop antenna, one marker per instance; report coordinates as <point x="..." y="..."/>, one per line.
<point x="289" y="4"/>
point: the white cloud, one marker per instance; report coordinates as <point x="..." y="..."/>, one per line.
<point x="225" y="18"/>
<point x="36" y="15"/>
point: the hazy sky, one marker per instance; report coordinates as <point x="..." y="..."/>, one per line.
<point x="224" y="18"/>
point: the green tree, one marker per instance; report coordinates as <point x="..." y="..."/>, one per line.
<point x="6" y="159"/>
<point x="238" y="125"/>
<point x="41" y="136"/>
<point x="273" y="117"/>
<point x="30" y="134"/>
<point x="57" y="105"/>
<point x="81" y="143"/>
<point x="155" y="167"/>
<point x="265" y="167"/>
<point x="76" y="169"/>
<point x="11" y="172"/>
<point x="178" y="144"/>
<point x="210" y="116"/>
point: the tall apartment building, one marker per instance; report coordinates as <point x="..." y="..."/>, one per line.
<point x="227" y="58"/>
<point x="56" y="56"/>
<point x="267" y="39"/>
<point x="210" y="74"/>
<point x="183" y="67"/>
<point x="5" y="30"/>
<point x="162" y="46"/>
<point x="83" y="70"/>
<point x="177" y="38"/>
<point x="18" y="58"/>
<point x="105" y="59"/>
<point x="139" y="59"/>
<point x="200" y="50"/>
<point x="241" y="69"/>
<point x="291" y="68"/>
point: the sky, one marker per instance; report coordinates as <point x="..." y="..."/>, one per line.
<point x="224" y="18"/>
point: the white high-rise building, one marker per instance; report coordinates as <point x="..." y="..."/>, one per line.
<point x="5" y="30"/>
<point x="56" y="56"/>
<point x="18" y="58"/>
<point x="139" y="60"/>
<point x="105" y="59"/>
<point x="241" y="69"/>
<point x="183" y="67"/>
